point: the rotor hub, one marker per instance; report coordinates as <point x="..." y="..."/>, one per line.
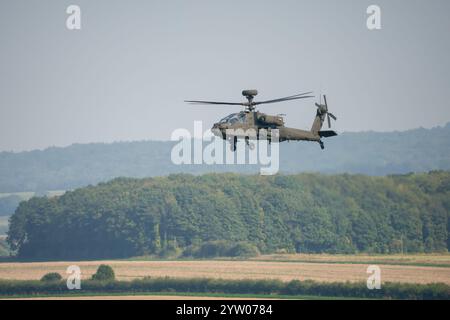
<point x="250" y="95"/>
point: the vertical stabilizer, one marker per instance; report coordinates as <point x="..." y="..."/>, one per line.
<point x="322" y="112"/>
<point x="317" y="124"/>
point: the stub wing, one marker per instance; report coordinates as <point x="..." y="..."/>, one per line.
<point x="327" y="133"/>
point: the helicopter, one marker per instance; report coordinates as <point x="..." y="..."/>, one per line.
<point x="250" y="118"/>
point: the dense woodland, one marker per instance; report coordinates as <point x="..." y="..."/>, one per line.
<point x="370" y="153"/>
<point x="285" y="213"/>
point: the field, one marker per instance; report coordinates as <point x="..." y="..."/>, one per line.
<point x="28" y="195"/>
<point x="430" y="260"/>
<point x="22" y="195"/>
<point x="324" y="268"/>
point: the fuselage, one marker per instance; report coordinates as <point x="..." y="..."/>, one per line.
<point x="256" y="125"/>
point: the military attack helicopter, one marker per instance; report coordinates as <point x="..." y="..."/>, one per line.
<point x="250" y="118"/>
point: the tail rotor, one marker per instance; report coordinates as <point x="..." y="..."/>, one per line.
<point x="322" y="111"/>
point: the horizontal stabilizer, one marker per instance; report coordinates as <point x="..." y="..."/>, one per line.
<point x="327" y="133"/>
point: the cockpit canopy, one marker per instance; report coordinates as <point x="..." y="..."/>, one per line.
<point x="234" y="118"/>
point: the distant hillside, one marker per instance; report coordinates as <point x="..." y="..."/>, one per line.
<point x="4" y="250"/>
<point x="369" y="153"/>
<point x="294" y="213"/>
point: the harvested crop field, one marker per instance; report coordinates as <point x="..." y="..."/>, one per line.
<point x="433" y="260"/>
<point x="248" y="269"/>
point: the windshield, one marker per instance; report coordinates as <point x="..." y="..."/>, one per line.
<point x="233" y="118"/>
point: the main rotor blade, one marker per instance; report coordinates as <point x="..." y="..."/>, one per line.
<point x="329" y="121"/>
<point x="332" y="115"/>
<point x="283" y="99"/>
<point x="296" y="95"/>
<point x="289" y="97"/>
<point x="216" y="102"/>
<point x="325" y="99"/>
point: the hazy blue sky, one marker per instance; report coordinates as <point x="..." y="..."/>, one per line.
<point x="124" y="76"/>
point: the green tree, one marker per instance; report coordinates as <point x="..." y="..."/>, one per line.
<point x="104" y="273"/>
<point x="51" y="277"/>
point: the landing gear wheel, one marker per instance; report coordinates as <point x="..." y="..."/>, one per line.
<point x="321" y="145"/>
<point x="251" y="145"/>
<point x="233" y="142"/>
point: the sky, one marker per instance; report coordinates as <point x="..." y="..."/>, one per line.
<point x="125" y="74"/>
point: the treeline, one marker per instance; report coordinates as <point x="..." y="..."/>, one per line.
<point x="294" y="213"/>
<point x="79" y="165"/>
<point x="220" y="286"/>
